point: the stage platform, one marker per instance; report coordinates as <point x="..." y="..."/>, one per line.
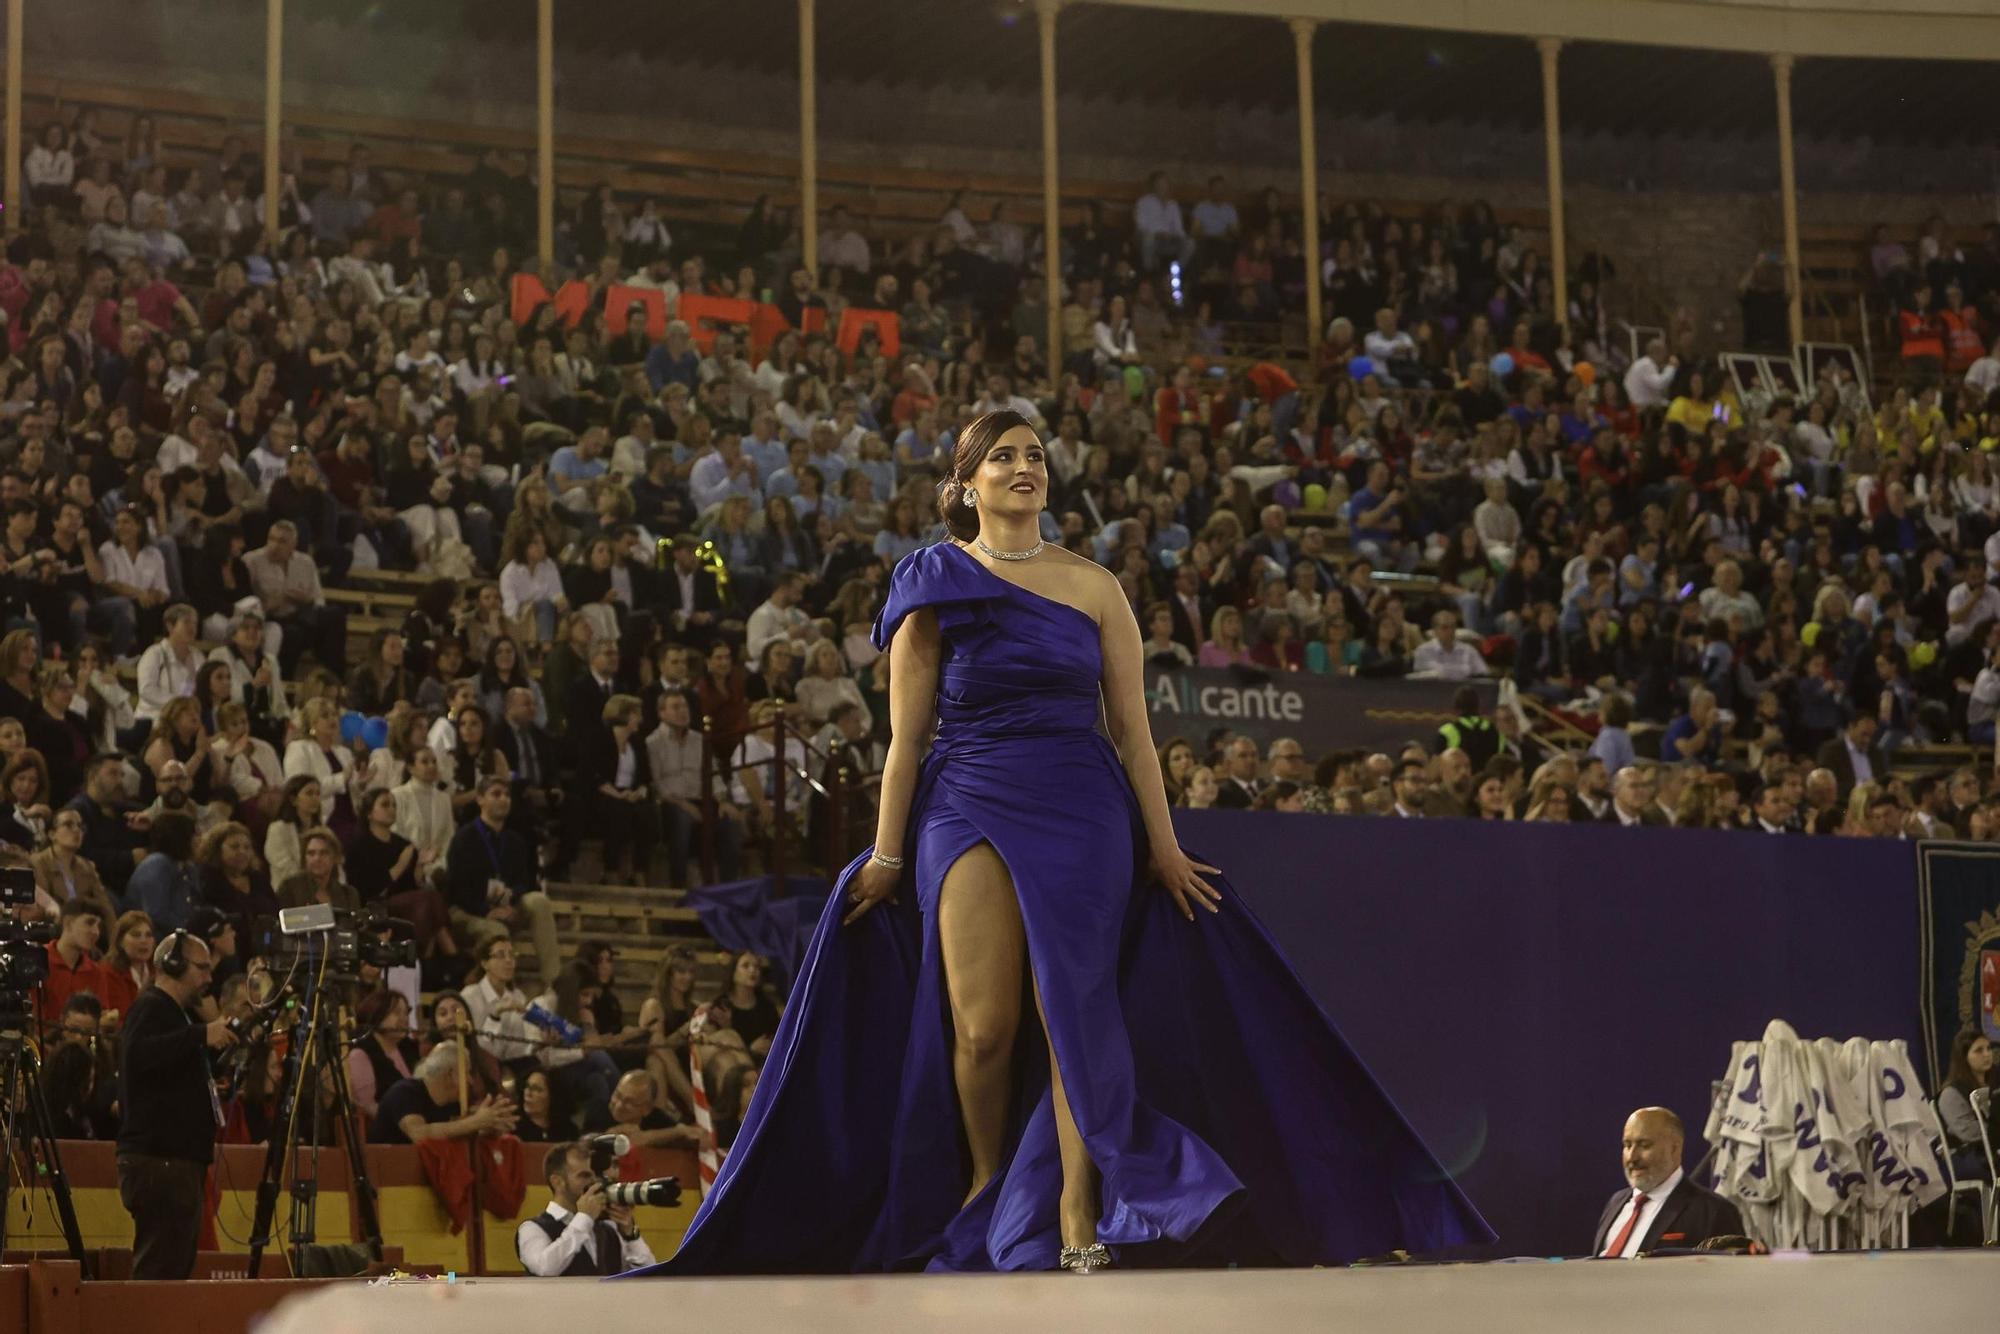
<point x="1902" y="1291"/>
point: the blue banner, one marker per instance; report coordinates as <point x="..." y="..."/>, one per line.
<point x="1958" y="905"/>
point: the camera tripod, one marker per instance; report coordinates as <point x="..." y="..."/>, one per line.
<point x="315" y="1053"/>
<point x="21" y="1095"/>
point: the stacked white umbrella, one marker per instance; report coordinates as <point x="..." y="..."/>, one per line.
<point x="1823" y="1145"/>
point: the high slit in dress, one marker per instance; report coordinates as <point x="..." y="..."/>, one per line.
<point x="1227" y="1118"/>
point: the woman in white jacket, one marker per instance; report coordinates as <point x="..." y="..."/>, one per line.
<point x="255" y="774"/>
<point x="299" y="810"/>
<point x="255" y="679"/>
<point x="530" y="584"/>
<point x="423" y="809"/>
<point x="319" y="753"/>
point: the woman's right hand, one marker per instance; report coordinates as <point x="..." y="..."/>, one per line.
<point x="873" y="883"/>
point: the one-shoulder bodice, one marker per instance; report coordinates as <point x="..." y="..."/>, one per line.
<point x="1014" y="664"/>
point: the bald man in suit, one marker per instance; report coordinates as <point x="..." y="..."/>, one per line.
<point x="1660" y="1208"/>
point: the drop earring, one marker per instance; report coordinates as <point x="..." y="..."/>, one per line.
<point x="971" y="499"/>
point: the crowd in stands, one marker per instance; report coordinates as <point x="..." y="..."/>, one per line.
<point x="653" y="563"/>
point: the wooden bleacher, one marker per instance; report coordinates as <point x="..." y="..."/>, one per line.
<point x="695" y="186"/>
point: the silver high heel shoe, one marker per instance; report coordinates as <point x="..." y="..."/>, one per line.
<point x="1084" y="1259"/>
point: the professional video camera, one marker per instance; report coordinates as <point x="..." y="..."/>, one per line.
<point x="26" y="1129"/>
<point x="24" y="956"/>
<point x="333" y="945"/>
<point x="605" y="1151"/>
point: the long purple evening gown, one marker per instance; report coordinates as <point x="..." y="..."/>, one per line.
<point x="1229" y="1120"/>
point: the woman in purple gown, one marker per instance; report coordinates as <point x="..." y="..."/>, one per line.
<point x="1030" y="1030"/>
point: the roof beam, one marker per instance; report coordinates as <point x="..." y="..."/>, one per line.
<point x="1878" y="29"/>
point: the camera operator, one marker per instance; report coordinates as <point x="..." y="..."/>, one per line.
<point x="579" y="1234"/>
<point x="171" y="1114"/>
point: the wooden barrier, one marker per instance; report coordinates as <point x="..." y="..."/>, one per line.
<point x="413" y="1218"/>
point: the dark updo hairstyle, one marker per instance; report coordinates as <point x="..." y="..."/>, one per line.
<point x="975" y="442"/>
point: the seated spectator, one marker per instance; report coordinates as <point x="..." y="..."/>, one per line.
<point x="383" y="1053"/>
<point x="127" y="964"/>
<point x="72" y="960"/>
<point x="490" y="880"/>
<point x="1661" y="1209"/>
<point x="1444" y="655"/>
<point x="382" y="680"/>
<point x="387" y="869"/>
<point x="113" y="832"/>
<point x="1632" y="798"/>
<point x="614" y="773"/>
<point x="319" y="753"/>
<point x="1853" y="758"/>
<point x="426" y="1105"/>
<point x="632" y="1110"/>
<point x="1224" y="646"/>
<point x="674" y="758"/>
<point x="286" y="582"/>
<point x="320" y="879"/>
<point x="1971" y="1069"/>
<point x="231" y="879"/>
<point x="531" y="589"/>
<point x="1694" y="736"/>
<point x="62" y="874"/>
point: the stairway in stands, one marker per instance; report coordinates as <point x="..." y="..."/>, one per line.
<point x="642" y="922"/>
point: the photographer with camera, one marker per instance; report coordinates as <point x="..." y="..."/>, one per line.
<point x="167" y="1139"/>
<point x="581" y="1233"/>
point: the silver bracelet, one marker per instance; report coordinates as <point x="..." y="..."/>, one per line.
<point x="893" y="863"/>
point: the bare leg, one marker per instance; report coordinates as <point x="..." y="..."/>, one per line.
<point x="1077" y="1211"/>
<point x="984" y="951"/>
<point x="669" y="1070"/>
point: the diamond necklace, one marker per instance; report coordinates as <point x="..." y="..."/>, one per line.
<point x="1029" y="554"/>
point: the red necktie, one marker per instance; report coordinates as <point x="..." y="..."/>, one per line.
<point x="1617" y="1247"/>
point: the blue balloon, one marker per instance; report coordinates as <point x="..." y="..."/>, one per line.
<point x="351" y="724"/>
<point x="1358" y="367"/>
<point x="1503" y="364"/>
<point x="375" y="733"/>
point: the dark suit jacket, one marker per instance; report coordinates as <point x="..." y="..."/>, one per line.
<point x="585" y="710"/>
<point x="1187" y="632"/>
<point x="546" y="763"/>
<point x="597" y="765"/>
<point x="1651" y="817"/>
<point x="666" y="591"/>
<point x="1833" y="755"/>
<point x="1690" y="1216"/>
<point x="1231" y="795"/>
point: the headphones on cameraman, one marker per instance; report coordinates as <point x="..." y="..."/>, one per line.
<point x="171" y="958"/>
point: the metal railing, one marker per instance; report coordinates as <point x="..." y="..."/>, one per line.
<point x="821" y="838"/>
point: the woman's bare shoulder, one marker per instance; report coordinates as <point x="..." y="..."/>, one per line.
<point x="1085" y="578"/>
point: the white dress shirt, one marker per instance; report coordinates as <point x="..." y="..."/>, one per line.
<point x="504" y="1034"/>
<point x="1655" y="1201"/>
<point x="1864" y="769"/>
<point x="1647" y="383"/>
<point x="548" y="1259"/>
<point x="165" y="676"/>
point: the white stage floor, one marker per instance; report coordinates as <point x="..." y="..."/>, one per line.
<point x="1885" y="1293"/>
